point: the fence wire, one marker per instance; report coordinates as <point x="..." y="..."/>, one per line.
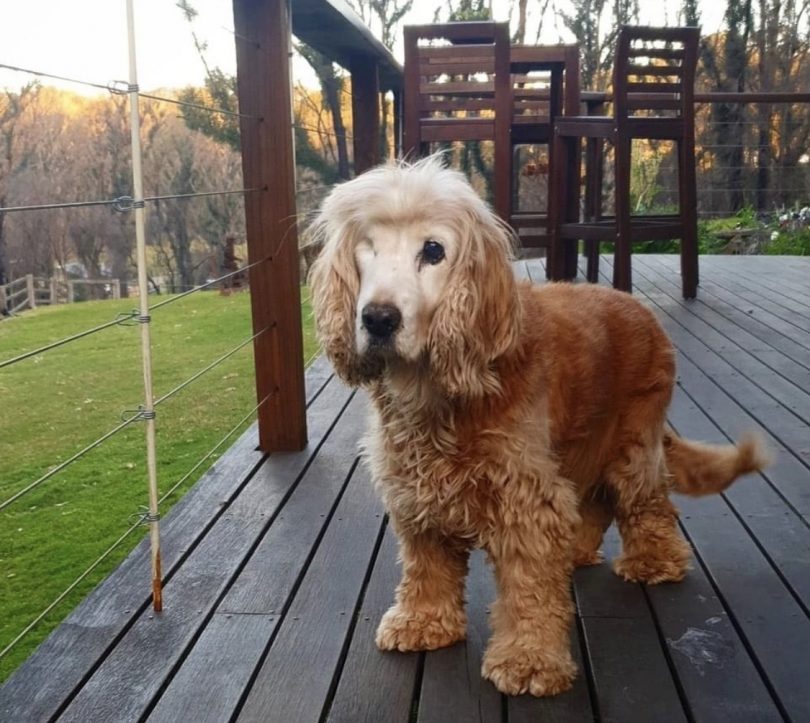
<point x="212" y="365"/>
<point x="128" y="532"/>
<point x="78" y="455"/>
<point x="28" y="628"/>
<point x="123" y="317"/>
<point x="135" y="416"/>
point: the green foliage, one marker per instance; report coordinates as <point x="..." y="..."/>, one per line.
<point x="64" y="399"/>
<point x="219" y="92"/>
<point x="466" y="10"/>
<point x="790" y="243"/>
<point x="306" y="155"/>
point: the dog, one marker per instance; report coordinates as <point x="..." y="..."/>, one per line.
<point x="515" y="418"/>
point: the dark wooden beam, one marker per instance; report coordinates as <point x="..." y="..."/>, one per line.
<point x="336" y="30"/>
<point x="365" y="114"/>
<point x="268" y="162"/>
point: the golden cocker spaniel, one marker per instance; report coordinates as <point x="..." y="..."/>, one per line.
<point x="511" y="417"/>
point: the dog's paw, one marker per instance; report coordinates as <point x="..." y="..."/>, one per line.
<point x="635" y="568"/>
<point x="527" y="672"/>
<point x="407" y="630"/>
<point x="583" y="558"/>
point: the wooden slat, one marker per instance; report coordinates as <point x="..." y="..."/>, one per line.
<point x="789" y="293"/>
<point x="452" y="686"/>
<point x="213" y="678"/>
<point x="43" y="684"/>
<point x="460" y="88"/>
<point x="375" y="685"/>
<point x="631" y="675"/>
<point x="458" y="131"/>
<point x="297" y="674"/>
<point x="154" y="644"/>
<point x="586" y="126"/>
<point x="471" y="52"/>
<point x="280" y="558"/>
<point x="655" y="70"/>
<point x="654" y="87"/>
<point x="653" y="52"/>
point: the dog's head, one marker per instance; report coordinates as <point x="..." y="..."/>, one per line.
<point x="414" y="270"/>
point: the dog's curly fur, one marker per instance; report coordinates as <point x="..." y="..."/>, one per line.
<point x="506" y="416"/>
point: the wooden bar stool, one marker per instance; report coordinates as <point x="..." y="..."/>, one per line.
<point x="653" y="98"/>
<point x="545" y="86"/>
<point x="457" y="88"/>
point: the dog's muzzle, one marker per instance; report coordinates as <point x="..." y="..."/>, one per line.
<point x="381" y="321"/>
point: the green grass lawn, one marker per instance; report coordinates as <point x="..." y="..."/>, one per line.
<point x="53" y="404"/>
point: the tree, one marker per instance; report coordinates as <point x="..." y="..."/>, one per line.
<point x="12" y="155"/>
<point x="388" y="15"/>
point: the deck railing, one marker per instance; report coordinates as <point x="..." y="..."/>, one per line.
<point x="262" y="36"/>
<point x="747" y="158"/>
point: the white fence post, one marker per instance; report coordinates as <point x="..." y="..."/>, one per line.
<point x="32" y="293"/>
<point x="148" y="412"/>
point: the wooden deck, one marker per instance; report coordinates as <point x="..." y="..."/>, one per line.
<point x="278" y="568"/>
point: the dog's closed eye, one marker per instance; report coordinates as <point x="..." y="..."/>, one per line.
<point x="432" y="252"/>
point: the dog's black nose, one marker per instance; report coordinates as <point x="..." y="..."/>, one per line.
<point x="381" y="320"/>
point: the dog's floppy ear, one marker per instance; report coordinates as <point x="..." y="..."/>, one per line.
<point x="478" y="320"/>
<point x="334" y="283"/>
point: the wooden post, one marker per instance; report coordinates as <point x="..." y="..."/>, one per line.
<point x="116" y="288"/>
<point x="53" y="291"/>
<point x="365" y="114"/>
<point x="263" y="49"/>
<point x="32" y="292"/>
<point x="3" y="298"/>
<point x="70" y="291"/>
<point x="397" y="113"/>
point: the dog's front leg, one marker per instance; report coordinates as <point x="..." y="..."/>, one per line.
<point x="429" y="608"/>
<point x="532" y="551"/>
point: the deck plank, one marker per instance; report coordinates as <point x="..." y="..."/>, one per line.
<point x="733" y="341"/>
<point x="296" y="676"/>
<point x="631" y="674"/>
<point x="269" y="577"/>
<point x="44" y="684"/>
<point x="452" y="686"/>
<point x="375" y="685"/>
<point x="273" y="597"/>
<point x="155" y="643"/>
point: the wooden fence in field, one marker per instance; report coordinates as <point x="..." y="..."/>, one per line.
<point x="29" y="292"/>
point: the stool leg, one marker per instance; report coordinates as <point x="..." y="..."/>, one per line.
<point x="687" y="194"/>
<point x="593" y="201"/>
<point x="622" y="278"/>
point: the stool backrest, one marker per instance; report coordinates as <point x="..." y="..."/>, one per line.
<point x="654" y="74"/>
<point x="455" y="72"/>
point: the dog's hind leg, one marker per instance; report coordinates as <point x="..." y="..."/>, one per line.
<point x="596" y="514"/>
<point x="653" y="549"/>
<point x="429" y="608"/>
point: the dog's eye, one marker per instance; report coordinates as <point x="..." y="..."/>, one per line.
<point x="432" y="252"/>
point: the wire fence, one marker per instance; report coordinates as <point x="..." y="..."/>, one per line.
<point x="142" y="319"/>
<point x="741" y="169"/>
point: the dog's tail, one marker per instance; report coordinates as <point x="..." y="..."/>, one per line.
<point x="702" y="469"/>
